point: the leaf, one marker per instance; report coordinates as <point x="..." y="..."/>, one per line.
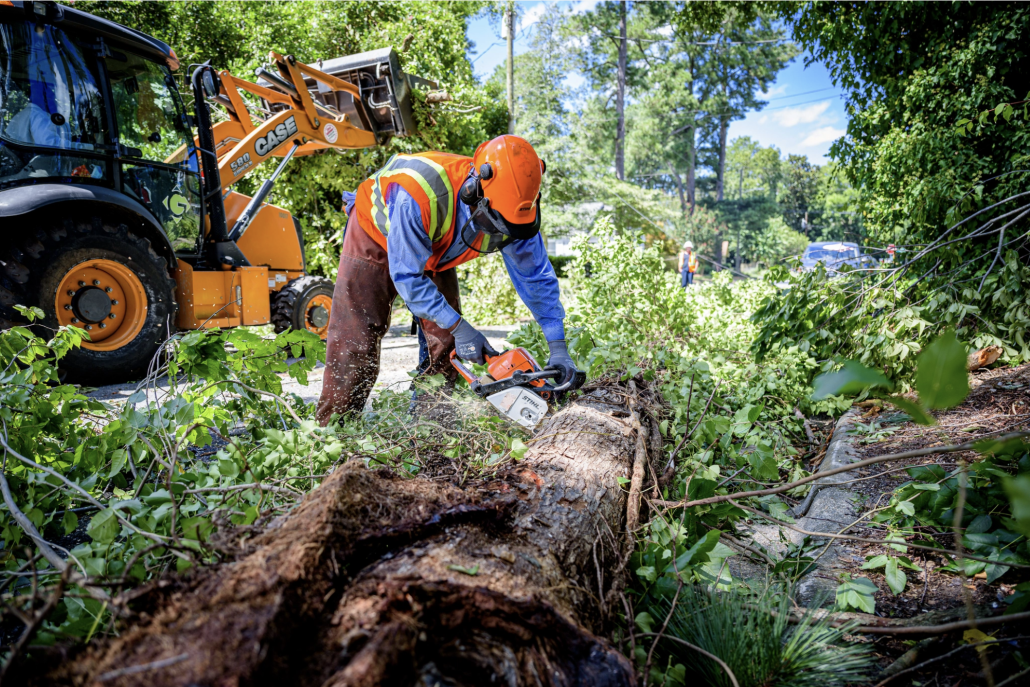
<point x="979" y="525"/>
<point x="875" y="562"/>
<point x="896" y="579"/>
<point x="853" y="378"/>
<point x="915" y="411"/>
<point x="644" y="621"/>
<point x="473" y="571"/>
<point x="70" y="521"/>
<point x="518" y="449"/>
<point x="118" y="459"/>
<point x="941" y="377"/>
<point x="906" y="507"/>
<point x="1018" y="491"/>
<point x="698" y="553"/>
<point x="1010" y="447"/>
<point x="663" y="427"/>
<point x="104" y="526"/>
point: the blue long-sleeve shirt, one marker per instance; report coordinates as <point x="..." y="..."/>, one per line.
<point x="409" y="248"/>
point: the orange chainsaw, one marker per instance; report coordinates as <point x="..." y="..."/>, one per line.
<point x="516" y="385"/>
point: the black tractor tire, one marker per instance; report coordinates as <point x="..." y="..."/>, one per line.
<point x="37" y="264"/>
<point x="292" y="306"/>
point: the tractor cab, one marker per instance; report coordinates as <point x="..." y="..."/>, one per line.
<point x="86" y="102"/>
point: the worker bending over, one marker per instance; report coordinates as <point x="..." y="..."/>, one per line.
<point x="408" y="227"/>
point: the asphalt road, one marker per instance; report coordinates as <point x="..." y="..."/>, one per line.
<point x="399" y="356"/>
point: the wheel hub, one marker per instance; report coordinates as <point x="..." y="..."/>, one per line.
<point x="91" y="304"/>
<point x="319" y="316"/>
<point x="105" y="298"/>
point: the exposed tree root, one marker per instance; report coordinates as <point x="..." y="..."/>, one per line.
<point x="375" y="579"/>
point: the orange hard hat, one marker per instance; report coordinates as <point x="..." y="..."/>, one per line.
<point x="513" y="182"/>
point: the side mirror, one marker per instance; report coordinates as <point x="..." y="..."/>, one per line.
<point x="207" y="79"/>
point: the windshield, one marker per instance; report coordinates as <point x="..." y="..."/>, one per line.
<point x="831" y="253"/>
<point x="146" y="105"/>
<point x="48" y="89"/>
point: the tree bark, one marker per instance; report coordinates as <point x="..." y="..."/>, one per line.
<point x="679" y="185"/>
<point x="691" y="170"/>
<point x="720" y="181"/>
<point x="509" y="19"/>
<point x="620" y="99"/>
<point x="376" y="579"/>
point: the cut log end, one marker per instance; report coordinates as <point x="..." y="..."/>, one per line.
<point x="983" y="357"/>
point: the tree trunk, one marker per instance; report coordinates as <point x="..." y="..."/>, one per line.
<point x="679" y="186"/>
<point x="721" y="176"/>
<point x="509" y="19"/>
<point x="620" y="99"/>
<point x="691" y="173"/>
<point x="376" y="579"/>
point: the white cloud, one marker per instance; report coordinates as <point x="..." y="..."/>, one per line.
<point x="531" y="16"/>
<point x="774" y="91"/>
<point x="792" y="116"/>
<point x="763" y="119"/>
<point x="584" y="6"/>
<point x="822" y="135"/>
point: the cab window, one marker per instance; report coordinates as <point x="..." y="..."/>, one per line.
<point x="147" y="108"/>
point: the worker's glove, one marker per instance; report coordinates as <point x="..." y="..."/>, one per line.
<point x="470" y="344"/>
<point x="561" y="361"/>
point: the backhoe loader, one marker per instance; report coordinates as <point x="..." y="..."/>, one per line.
<point x="117" y="214"/>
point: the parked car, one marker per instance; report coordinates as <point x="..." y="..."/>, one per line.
<point x="834" y="255"/>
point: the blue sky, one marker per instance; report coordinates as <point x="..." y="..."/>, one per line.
<point x="805" y="114"/>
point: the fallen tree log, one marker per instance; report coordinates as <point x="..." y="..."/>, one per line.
<point x="377" y="579"/>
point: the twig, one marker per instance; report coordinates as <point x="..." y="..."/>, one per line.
<point x="36" y="620"/>
<point x="142" y="668"/>
<point x="722" y="664"/>
<point x="76" y="487"/>
<point x="696" y="424"/>
<point x="836" y="471"/>
<point x="637" y="479"/>
<point x="1010" y="680"/>
<point x="935" y="659"/>
<point x="672" y="608"/>
<point x="808" y="428"/>
<point x="26" y="525"/>
<point x="942" y="629"/>
<point x="898" y="542"/>
<point x="956" y="526"/>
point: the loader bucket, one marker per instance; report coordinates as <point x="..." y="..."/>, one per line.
<point x="385" y="103"/>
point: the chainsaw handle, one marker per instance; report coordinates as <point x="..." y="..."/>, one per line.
<point x="458" y="365"/>
<point x="577" y="381"/>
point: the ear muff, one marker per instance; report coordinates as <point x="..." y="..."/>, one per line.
<point x="471" y="191"/>
<point x="486" y="172"/>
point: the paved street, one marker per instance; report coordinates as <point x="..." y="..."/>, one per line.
<point x="399" y="356"/>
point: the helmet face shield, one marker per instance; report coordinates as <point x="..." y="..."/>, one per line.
<point x="498" y="232"/>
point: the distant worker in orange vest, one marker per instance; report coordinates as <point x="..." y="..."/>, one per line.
<point x="688" y="264"/>
<point x="408" y="227"/>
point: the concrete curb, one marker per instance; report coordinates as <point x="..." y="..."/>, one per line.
<point x="826" y="509"/>
<point x="830" y="509"/>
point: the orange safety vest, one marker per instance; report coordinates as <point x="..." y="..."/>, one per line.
<point x="691" y="261"/>
<point x="433" y="180"/>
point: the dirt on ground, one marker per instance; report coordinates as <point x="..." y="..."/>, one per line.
<point x="999" y="403"/>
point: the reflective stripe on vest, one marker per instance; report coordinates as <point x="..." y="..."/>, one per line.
<point x="692" y="262"/>
<point x="434" y="182"/>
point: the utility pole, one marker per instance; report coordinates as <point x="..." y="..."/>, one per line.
<point x="620" y="99"/>
<point x="509" y="29"/>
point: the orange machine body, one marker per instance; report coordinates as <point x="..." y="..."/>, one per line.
<point x="503" y="366"/>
